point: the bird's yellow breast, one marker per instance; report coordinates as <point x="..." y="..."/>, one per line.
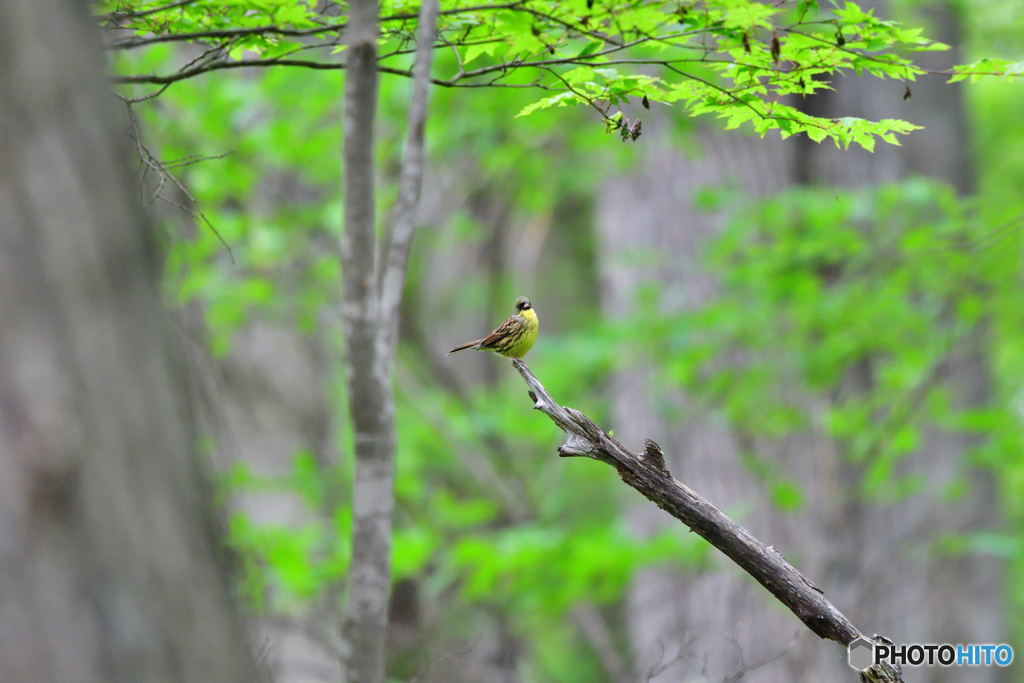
<point x="530" y="316"/>
<point x="529" y="336"/>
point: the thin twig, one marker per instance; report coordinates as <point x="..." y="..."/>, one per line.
<point x="162" y="170"/>
<point x="603" y="111"/>
<point x="183" y="74"/>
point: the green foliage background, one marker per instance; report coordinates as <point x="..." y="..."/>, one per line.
<point x="800" y="277"/>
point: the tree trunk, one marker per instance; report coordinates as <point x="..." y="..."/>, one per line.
<point x="370" y="313"/>
<point x="704" y="626"/>
<point x="111" y="564"/>
<point x="708" y="626"/>
<point x="371" y="404"/>
<point x="950" y="598"/>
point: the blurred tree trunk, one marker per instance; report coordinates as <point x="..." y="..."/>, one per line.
<point x="371" y="403"/>
<point x="949" y="598"/>
<point x="651" y="233"/>
<point x="713" y="625"/>
<point x="270" y="396"/>
<point x="112" y="570"/>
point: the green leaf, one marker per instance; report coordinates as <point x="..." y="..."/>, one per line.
<point x="474" y="52"/>
<point x="563" y="99"/>
<point x="590" y="48"/>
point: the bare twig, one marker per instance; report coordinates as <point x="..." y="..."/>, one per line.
<point x="602" y="110"/>
<point x="747" y="667"/>
<point x="151" y="163"/>
<point x="135" y="100"/>
<point x="454" y="81"/>
<point x="169" y="79"/>
<point x="269" y="30"/>
<point x="647" y="473"/>
<point x="190" y="159"/>
<point x="238" y="64"/>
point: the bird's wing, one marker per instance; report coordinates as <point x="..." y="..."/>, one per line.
<point x="510" y="326"/>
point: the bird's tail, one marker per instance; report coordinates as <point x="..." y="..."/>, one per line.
<point x="470" y="345"/>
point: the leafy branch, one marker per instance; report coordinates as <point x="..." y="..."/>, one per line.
<point x="743" y="58"/>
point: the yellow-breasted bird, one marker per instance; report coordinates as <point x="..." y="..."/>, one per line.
<point x="514" y="337"/>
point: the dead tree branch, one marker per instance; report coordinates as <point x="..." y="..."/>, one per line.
<point x="647" y="473"/>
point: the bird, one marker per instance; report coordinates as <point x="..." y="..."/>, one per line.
<point x="514" y="337"/>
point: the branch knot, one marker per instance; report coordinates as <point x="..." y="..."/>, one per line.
<point x="654" y="457"/>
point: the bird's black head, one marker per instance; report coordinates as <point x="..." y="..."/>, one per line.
<point x="522" y="304"/>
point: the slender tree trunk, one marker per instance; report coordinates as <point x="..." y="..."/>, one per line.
<point x="371" y="405"/>
<point x="111" y="565"/>
<point x="371" y="305"/>
<point x="410" y="182"/>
